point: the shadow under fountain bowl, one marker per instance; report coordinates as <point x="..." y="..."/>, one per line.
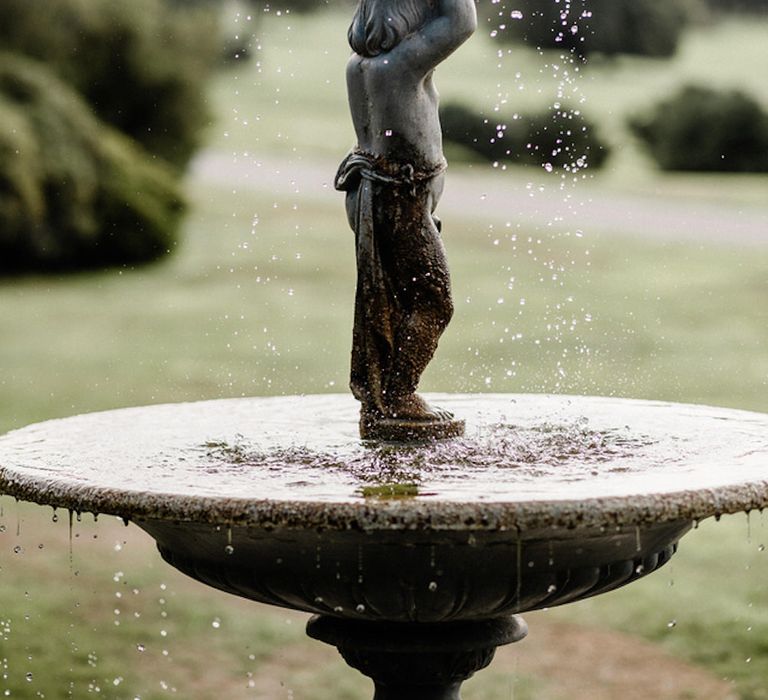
<point x="414" y="575"/>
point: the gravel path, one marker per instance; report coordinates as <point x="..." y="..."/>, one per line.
<point x="508" y="196"/>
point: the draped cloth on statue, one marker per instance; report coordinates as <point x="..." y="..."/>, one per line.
<point x="400" y="264"/>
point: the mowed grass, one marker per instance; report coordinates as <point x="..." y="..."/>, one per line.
<point x="258" y="300"/>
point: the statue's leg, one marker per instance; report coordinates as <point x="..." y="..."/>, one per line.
<point x="415" y="344"/>
<point x="409" y="315"/>
<point x="371" y="337"/>
<point x="422" y="282"/>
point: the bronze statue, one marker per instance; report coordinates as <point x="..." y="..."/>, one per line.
<point x="393" y="180"/>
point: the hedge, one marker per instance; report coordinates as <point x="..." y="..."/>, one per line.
<point x="557" y="138"/>
<point x="701" y="129"/>
<point x="141" y="64"/>
<point x="74" y="193"/>
<point x="584" y="27"/>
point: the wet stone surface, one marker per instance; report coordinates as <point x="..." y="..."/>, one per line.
<point x="524" y="462"/>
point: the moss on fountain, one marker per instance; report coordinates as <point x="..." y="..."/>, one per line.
<point x="390" y="490"/>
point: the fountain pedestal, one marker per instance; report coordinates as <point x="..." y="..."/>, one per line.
<point x="417" y="661"/>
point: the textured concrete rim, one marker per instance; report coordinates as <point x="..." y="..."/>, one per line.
<point x="371" y="515"/>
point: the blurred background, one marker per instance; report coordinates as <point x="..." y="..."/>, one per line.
<point x="169" y="232"/>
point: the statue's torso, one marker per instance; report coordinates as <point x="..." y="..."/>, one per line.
<point x="395" y="113"/>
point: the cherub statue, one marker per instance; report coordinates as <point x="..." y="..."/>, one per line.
<point x="393" y="180"/>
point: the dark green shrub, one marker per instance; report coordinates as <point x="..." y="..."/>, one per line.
<point x="141" y="64"/>
<point x="74" y="192"/>
<point x="558" y="138"/>
<point x="700" y="129"/>
<point x="298" y="5"/>
<point x="584" y="27"/>
<point x="754" y="6"/>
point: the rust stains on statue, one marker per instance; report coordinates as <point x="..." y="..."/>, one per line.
<point x="403" y="299"/>
<point x="393" y="180"/>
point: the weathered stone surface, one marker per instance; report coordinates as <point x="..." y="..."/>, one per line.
<point x="527" y="463"/>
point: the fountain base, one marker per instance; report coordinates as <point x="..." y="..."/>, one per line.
<point x="417" y="661"/>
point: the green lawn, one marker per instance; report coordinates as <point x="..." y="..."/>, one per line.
<point x="258" y="300"/>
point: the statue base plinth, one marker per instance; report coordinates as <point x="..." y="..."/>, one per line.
<point x="398" y="430"/>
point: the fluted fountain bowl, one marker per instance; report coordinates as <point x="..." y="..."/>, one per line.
<point x="546" y="500"/>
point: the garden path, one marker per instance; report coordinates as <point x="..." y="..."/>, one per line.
<point x="590" y="206"/>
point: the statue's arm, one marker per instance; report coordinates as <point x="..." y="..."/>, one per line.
<point x="455" y="22"/>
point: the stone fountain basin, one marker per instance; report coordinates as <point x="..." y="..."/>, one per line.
<point x="412" y="575"/>
<point x="548" y="499"/>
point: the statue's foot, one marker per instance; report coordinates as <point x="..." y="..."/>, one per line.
<point x="407" y="419"/>
<point x="414" y="407"/>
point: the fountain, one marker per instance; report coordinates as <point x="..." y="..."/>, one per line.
<point x="415" y="537"/>
<point x="415" y="558"/>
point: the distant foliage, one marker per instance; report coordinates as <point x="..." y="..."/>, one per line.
<point x="700" y="129"/>
<point x="141" y="64"/>
<point x="584" y="27"/>
<point x="242" y="18"/>
<point x="558" y="138"/>
<point x="299" y="5"/>
<point x="758" y="6"/>
<point x="74" y="193"/>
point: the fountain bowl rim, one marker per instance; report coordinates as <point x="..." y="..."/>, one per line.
<point x="522" y="517"/>
<point x="598" y="513"/>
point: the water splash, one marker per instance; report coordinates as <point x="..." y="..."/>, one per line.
<point x="393" y="470"/>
